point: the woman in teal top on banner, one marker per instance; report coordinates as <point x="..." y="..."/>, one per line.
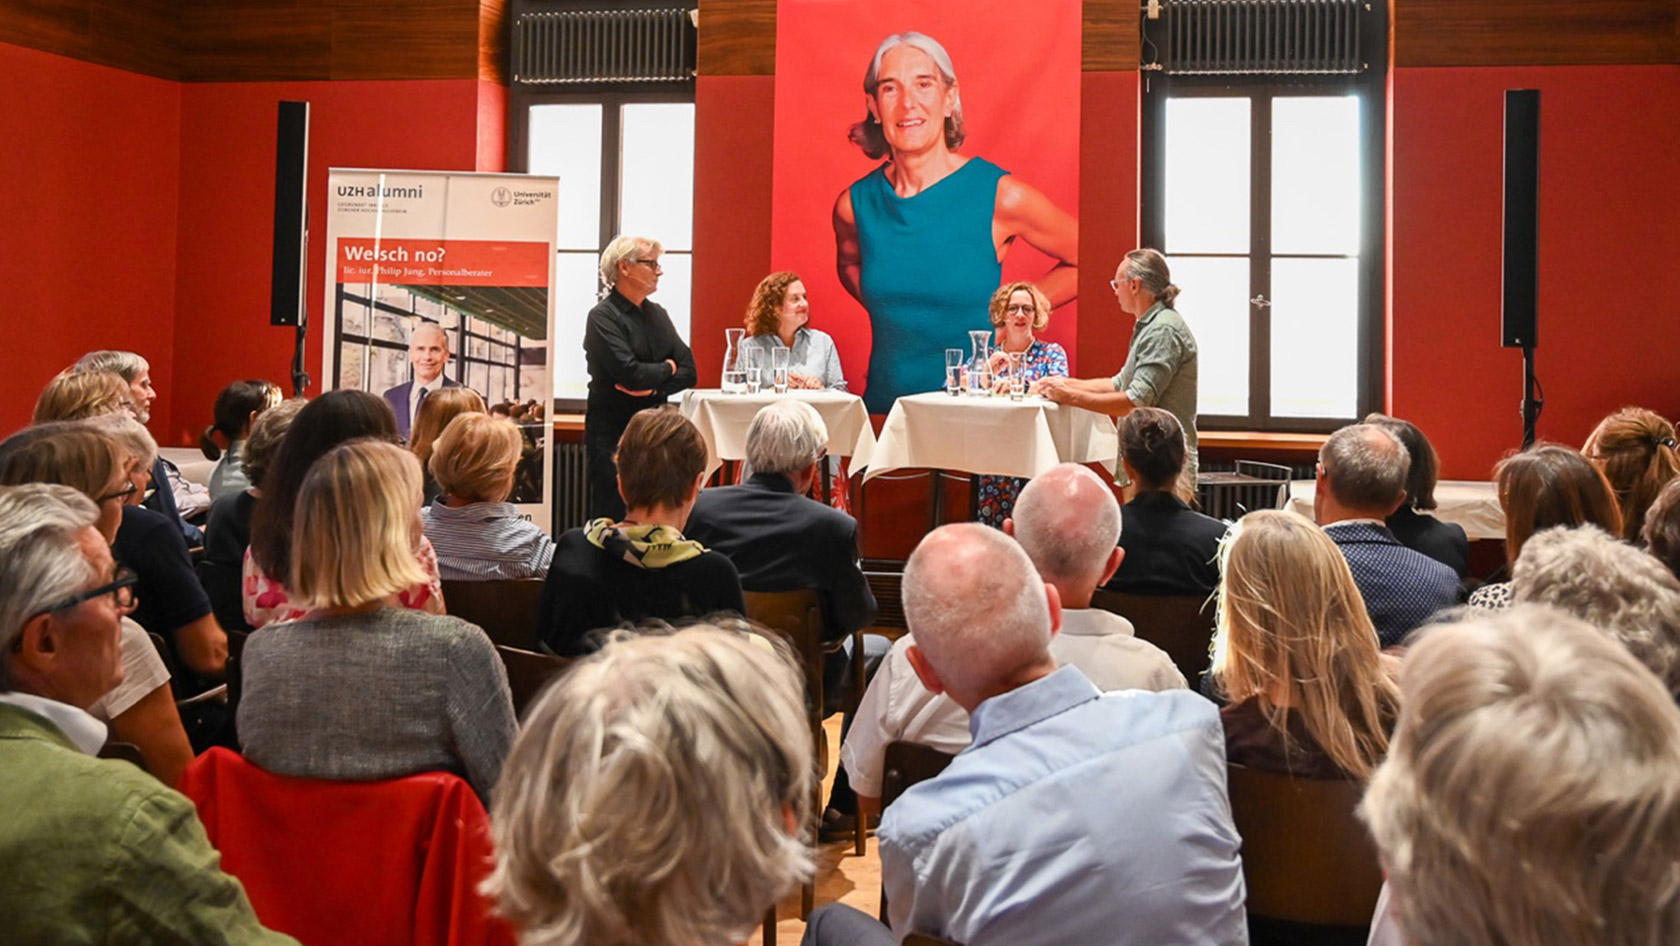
<point x="920" y="240"/>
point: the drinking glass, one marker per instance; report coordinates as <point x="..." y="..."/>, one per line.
<point x="779" y="369"/>
<point x="1017" y="376"/>
<point x="755" y="371"/>
<point x="953" y="371"/>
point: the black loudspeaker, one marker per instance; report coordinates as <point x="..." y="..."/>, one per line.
<point x="291" y="215"/>
<point x="1519" y="302"/>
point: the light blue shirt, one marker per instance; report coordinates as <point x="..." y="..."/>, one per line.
<point x="813" y="354"/>
<point x="1075" y="817"/>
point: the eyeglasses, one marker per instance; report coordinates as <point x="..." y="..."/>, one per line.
<point x="652" y="264"/>
<point x="1025" y="308"/>
<point x="123" y="494"/>
<point x="121" y="589"/>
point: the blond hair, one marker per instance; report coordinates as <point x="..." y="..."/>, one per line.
<point x="475" y="456"/>
<point x="1532" y="792"/>
<point x="647" y="799"/>
<point x="1292" y="632"/>
<point x="74" y="395"/>
<point x="355" y="527"/>
<point x="436" y="411"/>
<point x="1000" y="301"/>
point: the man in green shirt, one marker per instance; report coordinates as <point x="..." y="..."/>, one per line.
<point x="92" y="851"/>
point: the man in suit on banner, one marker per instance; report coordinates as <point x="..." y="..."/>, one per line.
<point x="428" y="352"/>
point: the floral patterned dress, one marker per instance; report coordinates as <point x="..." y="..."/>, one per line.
<point x="997" y="493"/>
<point x="266" y="601"/>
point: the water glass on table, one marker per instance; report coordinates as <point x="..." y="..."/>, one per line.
<point x="755" y="372"/>
<point x="1017" y="376"/>
<point x="954" y="371"/>
<point x="779" y="369"/>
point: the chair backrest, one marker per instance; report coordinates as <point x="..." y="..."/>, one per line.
<point x="125" y="752"/>
<point x="529" y="672"/>
<point x="505" y="608"/>
<point x="906" y="764"/>
<point x="393" y="862"/>
<point x="1306" y="857"/>
<point x="1181" y="625"/>
<point x="797" y="616"/>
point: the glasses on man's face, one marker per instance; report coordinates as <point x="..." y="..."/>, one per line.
<point x="120" y="588"/>
<point x="652" y="264"/>
<point x="1025" y="308"/>
<point x="122" y="494"/>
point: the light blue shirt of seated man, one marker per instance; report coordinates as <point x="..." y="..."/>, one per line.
<point x="1075" y="816"/>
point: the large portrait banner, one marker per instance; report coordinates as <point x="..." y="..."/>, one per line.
<point x="441" y="281"/>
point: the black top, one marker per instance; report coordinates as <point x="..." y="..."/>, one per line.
<point x="227" y="533"/>
<point x="1251" y="741"/>
<point x="780" y="541"/>
<point x="588" y="589"/>
<point x="1171" y="549"/>
<point x="168" y="595"/>
<point x="1445" y="542"/>
<point x="627" y="344"/>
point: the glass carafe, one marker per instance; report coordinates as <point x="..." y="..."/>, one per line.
<point x="734" y="361"/>
<point x="979" y="366"/>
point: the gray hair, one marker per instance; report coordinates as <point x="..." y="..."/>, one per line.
<point x="646" y="798"/>
<point x="867" y="133"/>
<point x="621" y="248"/>
<point x="425" y="326"/>
<point x="125" y="364"/>
<point x="41" y="562"/>
<point x="1531" y="793"/>
<point x="1150" y="267"/>
<point x="129" y="434"/>
<point x="1366" y="466"/>
<point x="1068" y="522"/>
<point x="785" y="437"/>
<point x="1586" y="573"/>
<point x="975" y="605"/>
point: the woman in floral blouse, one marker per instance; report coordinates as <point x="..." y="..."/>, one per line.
<point x="1019" y="310"/>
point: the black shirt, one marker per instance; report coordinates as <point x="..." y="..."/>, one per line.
<point x="625" y="344"/>
<point x="1171" y="549"/>
<point x="1445" y="542"/>
<point x="168" y="595"/>
<point x="227" y="533"/>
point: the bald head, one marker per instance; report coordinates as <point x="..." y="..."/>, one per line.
<point x="1068" y="522"/>
<point x="974" y="602"/>
<point x="1364" y="467"/>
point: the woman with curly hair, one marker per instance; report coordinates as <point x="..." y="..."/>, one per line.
<point x="1634" y="449"/>
<point x="1019" y="311"/>
<point x="778" y="317"/>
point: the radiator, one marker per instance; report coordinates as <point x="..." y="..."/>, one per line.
<point x="571" y="487"/>
<point x="1260" y="37"/>
<point x="552" y="47"/>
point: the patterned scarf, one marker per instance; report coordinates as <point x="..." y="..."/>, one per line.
<point x="645" y="546"/>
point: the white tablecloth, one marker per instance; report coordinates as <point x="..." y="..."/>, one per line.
<point x="723" y="420"/>
<point x="190" y="461"/>
<point x="990" y="435"/>
<point x="1473" y="504"/>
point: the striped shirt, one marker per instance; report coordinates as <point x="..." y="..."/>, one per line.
<point x="485" y="541"/>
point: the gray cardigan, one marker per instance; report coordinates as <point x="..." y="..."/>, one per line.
<point x="378" y="695"/>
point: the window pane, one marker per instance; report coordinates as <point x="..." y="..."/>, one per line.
<point x="1315" y="337"/>
<point x="1207" y="175"/>
<point x="1315" y="174"/>
<point x="656" y="187"/>
<point x="565" y="140"/>
<point x="1215" y="305"/>
<point x="350" y="365"/>
<point x="674" y="289"/>
<point x="576" y="276"/>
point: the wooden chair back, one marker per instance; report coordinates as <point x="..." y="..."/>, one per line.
<point x="797" y="617"/>
<point x="1306" y="857"/>
<point x="505" y="608"/>
<point x="528" y="673"/>
<point x="1181" y="625"/>
<point x="906" y="764"/>
<point x="126" y="752"/>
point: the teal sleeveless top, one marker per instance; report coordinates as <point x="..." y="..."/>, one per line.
<point x="929" y="269"/>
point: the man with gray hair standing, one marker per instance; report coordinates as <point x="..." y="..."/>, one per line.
<point x="1076" y="816"/>
<point x="95" y="851"/>
<point x="1361" y="481"/>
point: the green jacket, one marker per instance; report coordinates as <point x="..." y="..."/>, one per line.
<point x="97" y="851"/>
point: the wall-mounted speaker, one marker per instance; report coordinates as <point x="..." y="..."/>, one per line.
<point x="291" y="215"/>
<point x="1520" y="299"/>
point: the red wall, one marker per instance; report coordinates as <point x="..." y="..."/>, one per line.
<point x="88" y="182"/>
<point x="1108" y="215"/>
<point x="1609" y="332"/>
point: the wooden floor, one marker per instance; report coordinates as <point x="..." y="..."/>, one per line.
<point x="842" y="876"/>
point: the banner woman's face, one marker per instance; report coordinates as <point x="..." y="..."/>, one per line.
<point x="911" y="100"/>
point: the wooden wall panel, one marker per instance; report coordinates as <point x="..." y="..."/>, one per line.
<point x="256" y="41"/>
<point x="134" y="35"/>
<point x="493" y="38"/>
<point x="737" y="38"/>
<point x="1535" y="32"/>
<point x="406" y="39"/>
<point x="1111" y="36"/>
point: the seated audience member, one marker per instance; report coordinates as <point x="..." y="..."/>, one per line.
<point x="1067" y="521"/>
<point x="1076" y="816"/>
<point x="1361" y="482"/>
<point x="235" y="411"/>
<point x="1634" y="449"/>
<point x="653" y="795"/>
<point x="1170" y="548"/>
<point x="781" y="540"/>
<point x="436" y="411"/>
<point x="1529" y="794"/>
<point x="227" y="531"/>
<point x="1546" y="485"/>
<point x="477" y="533"/>
<point x="77" y="395"/>
<point x="1586" y="573"/>
<point x="1311" y="694"/>
<point x="95" y="851"/>
<point x="502" y="409"/>
<point x="334" y="418"/>
<point x="1414" y="523"/>
<point x="358" y="687"/>
<point x="1662" y="527"/>
<point x="608" y="573"/>
<point x="141" y="709"/>
<point x="175" y="496"/>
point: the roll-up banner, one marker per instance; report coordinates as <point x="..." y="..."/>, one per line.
<point x="442" y="281"/>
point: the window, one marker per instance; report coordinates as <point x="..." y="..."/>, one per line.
<point x="1265" y="192"/>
